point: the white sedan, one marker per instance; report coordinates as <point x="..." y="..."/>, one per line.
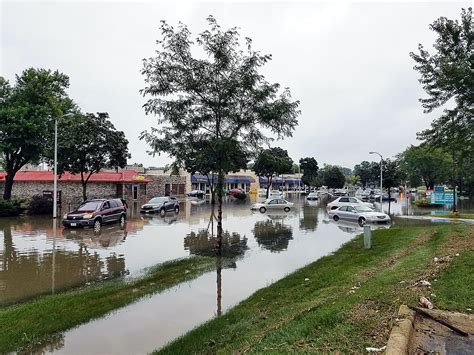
<point x="361" y="214"/>
<point x="272" y="203"/>
<point x="348" y="201"/>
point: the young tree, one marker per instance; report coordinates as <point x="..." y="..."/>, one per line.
<point x="310" y="168"/>
<point x="392" y="176"/>
<point x="218" y="99"/>
<point x="89" y="143"/>
<point x="27" y="114"/>
<point x="271" y="162"/>
<point x="447" y="75"/>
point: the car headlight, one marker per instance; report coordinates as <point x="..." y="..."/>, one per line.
<point x="87" y="215"/>
<point x="65" y="216"/>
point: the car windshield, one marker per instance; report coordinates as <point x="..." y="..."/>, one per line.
<point x="363" y="209"/>
<point x="157" y="200"/>
<point x="90" y="206"/>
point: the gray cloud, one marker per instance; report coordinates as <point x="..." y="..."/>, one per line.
<point x="347" y="63"/>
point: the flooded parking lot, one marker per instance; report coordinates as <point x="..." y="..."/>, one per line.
<point x="262" y="247"/>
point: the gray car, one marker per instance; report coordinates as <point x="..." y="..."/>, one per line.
<point x="161" y="205"/>
<point x="361" y="214"/>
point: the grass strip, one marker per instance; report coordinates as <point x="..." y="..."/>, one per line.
<point x="35" y="321"/>
<point x="351" y="299"/>
<point x="456" y="215"/>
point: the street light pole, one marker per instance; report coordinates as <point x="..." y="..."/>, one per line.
<point x="55" y="184"/>
<point x="381" y="191"/>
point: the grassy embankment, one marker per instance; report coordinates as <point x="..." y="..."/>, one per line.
<point x="351" y="299"/>
<point x="35" y="321"/>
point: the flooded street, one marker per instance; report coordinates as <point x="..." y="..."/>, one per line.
<point x="262" y="247"/>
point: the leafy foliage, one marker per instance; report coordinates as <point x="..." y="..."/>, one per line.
<point x="40" y="205"/>
<point x="448" y="75"/>
<point x="212" y="108"/>
<point x="426" y="163"/>
<point x="332" y="176"/>
<point x="271" y="162"/>
<point x="9" y="208"/>
<point x="89" y="143"/>
<point x="27" y="115"/>
<point x="392" y="174"/>
<point x="368" y="172"/>
<point x="310" y="168"/>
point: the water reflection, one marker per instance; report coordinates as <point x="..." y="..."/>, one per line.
<point x="273" y="234"/>
<point x="309" y="220"/>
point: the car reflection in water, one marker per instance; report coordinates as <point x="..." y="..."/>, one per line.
<point x="109" y="236"/>
<point x="354" y="227"/>
<point x="272" y="234"/>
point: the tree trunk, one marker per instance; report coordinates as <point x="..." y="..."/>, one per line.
<point x="84" y="190"/>
<point x="220" y="195"/>
<point x="7" y="193"/>
<point x="219" y="285"/>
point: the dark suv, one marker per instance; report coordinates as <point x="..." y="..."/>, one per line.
<point x="94" y="213"/>
<point x="161" y="205"/>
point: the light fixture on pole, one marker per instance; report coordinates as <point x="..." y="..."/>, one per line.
<point x="381" y="191"/>
<point x="55" y="181"/>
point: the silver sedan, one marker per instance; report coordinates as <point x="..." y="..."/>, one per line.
<point x="273" y="203"/>
<point x="361" y="214"/>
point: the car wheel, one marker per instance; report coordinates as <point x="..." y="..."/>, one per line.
<point x="287" y="209"/>
<point x="122" y="221"/>
<point x="336" y="218"/>
<point x="162" y="212"/>
<point x="97" y="226"/>
<point x="176" y="209"/>
<point x="362" y="221"/>
<point x="262" y="209"/>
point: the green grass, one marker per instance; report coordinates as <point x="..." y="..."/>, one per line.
<point x="325" y="314"/>
<point x="35" y="321"/>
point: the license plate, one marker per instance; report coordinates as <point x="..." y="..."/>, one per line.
<point x="73" y="224"/>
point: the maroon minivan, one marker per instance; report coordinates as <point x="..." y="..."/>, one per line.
<point x="95" y="213"/>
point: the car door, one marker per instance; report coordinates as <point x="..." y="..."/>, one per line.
<point x="342" y="212"/>
<point x="351" y="213"/>
<point x="105" y="212"/>
<point x="273" y="204"/>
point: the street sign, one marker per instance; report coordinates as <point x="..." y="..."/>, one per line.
<point x="440" y="196"/>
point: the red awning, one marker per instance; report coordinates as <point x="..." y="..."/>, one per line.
<point x="125" y="176"/>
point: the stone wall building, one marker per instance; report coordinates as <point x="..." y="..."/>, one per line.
<point x="127" y="184"/>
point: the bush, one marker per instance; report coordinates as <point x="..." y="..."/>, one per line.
<point x="10" y="208"/>
<point x="40" y="205"/>
<point x="424" y="202"/>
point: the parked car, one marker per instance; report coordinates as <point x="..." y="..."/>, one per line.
<point x="275" y="194"/>
<point x="312" y="196"/>
<point x="348" y="201"/>
<point x="362" y="214"/>
<point x="196" y="193"/>
<point x="272" y="203"/>
<point x="237" y="193"/>
<point x="95" y="213"/>
<point x="161" y="205"/>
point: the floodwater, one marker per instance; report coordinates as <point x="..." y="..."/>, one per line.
<point x="263" y="248"/>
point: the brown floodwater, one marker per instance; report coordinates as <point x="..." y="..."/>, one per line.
<point x="263" y="248"/>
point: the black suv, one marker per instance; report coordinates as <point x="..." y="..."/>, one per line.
<point x="94" y="213"/>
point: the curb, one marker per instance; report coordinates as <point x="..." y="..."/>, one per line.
<point x="401" y="332"/>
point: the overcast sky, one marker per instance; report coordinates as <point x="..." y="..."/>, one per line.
<point x="347" y="62"/>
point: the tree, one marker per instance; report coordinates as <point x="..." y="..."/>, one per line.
<point x="89" y="143"/>
<point x="333" y="177"/>
<point x="447" y="75"/>
<point x="367" y="172"/>
<point x="271" y="162"/>
<point x="426" y="163"/>
<point x="310" y="168"/>
<point x="27" y="114"/>
<point x="217" y="100"/>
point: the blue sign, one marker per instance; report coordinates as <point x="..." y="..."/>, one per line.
<point x="441" y="197"/>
